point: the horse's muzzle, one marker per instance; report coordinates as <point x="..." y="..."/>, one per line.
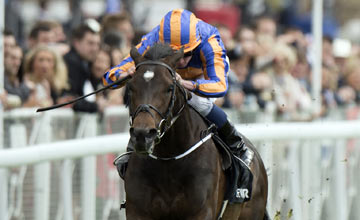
<point x="143" y="139"/>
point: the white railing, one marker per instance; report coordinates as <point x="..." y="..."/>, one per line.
<point x="312" y="167"/>
<point x="31" y="138"/>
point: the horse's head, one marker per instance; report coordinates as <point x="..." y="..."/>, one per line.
<point x="152" y="93"/>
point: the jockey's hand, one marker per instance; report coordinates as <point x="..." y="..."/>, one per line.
<point x="178" y="77"/>
<point x="186" y="83"/>
<point x="130" y="71"/>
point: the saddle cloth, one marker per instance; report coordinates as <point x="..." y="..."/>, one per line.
<point x="237" y="171"/>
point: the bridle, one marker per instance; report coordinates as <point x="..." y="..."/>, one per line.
<point x="167" y="118"/>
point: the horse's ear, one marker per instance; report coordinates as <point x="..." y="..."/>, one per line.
<point x="135" y="55"/>
<point x="172" y="60"/>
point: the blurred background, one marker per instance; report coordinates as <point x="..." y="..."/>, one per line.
<point x="294" y="89"/>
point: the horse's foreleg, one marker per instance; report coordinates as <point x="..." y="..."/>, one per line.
<point x="206" y="214"/>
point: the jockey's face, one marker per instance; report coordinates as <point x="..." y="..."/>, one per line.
<point x="183" y="62"/>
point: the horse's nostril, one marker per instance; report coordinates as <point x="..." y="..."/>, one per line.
<point x="152" y="132"/>
<point x="143" y="132"/>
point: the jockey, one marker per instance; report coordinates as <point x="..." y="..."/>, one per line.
<point x="203" y="69"/>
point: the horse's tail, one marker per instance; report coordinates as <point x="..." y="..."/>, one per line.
<point x="266" y="216"/>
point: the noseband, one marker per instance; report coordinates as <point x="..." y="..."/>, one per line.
<point x="167" y="119"/>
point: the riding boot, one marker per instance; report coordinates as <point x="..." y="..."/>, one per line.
<point x="241" y="172"/>
<point x="121" y="161"/>
<point x="232" y="138"/>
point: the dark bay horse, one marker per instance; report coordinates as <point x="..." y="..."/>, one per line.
<point x="167" y="178"/>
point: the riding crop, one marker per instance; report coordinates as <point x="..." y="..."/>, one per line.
<point x="120" y="83"/>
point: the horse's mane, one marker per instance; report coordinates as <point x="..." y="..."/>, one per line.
<point x="158" y="51"/>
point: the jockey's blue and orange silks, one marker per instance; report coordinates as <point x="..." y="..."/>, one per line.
<point x="181" y="28"/>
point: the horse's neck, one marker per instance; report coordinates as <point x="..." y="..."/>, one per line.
<point x="184" y="133"/>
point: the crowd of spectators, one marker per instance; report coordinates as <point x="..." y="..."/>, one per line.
<point x="269" y="64"/>
<point x="54" y="68"/>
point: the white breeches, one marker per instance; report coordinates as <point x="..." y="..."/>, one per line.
<point x="201" y="104"/>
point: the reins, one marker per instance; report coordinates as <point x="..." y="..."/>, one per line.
<point x="190" y="150"/>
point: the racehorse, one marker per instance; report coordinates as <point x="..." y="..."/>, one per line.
<point x="167" y="178"/>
